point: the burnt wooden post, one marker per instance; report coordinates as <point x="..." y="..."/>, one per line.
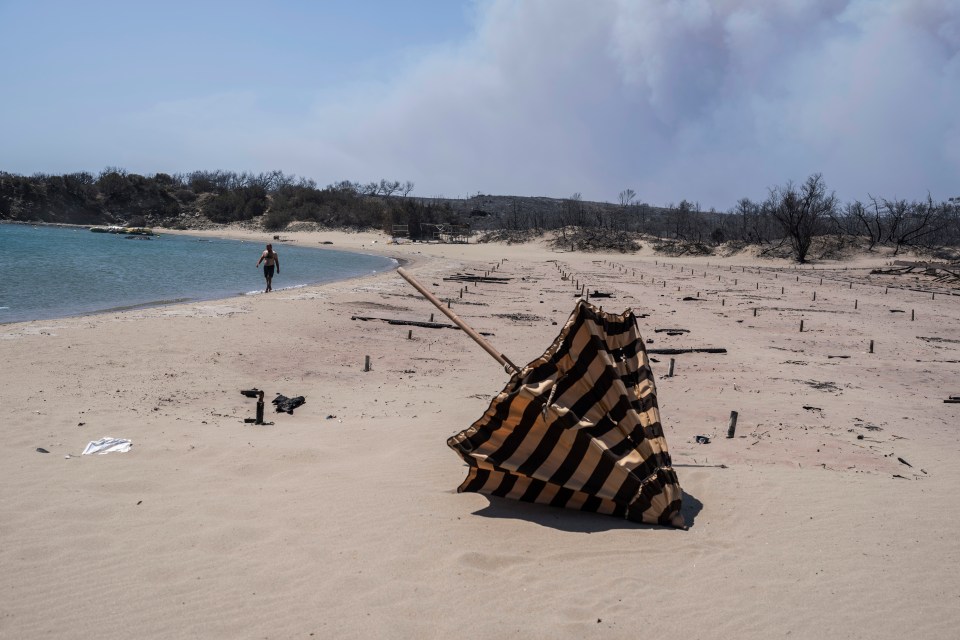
<point x="801" y="326"/>
<point x="871" y="346"/>
<point x="912" y="314"/>
<point x="855" y="303"/>
<point x="732" y="427"/>
<point x="366" y="363"/>
<point x="670" y="372"/>
<point x="410" y="334"/>
<point x="754" y="312"/>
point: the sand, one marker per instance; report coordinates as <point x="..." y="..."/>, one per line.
<point x="342" y="520"/>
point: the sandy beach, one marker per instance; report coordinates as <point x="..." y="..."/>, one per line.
<point x="831" y="514"/>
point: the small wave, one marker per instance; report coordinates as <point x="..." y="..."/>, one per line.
<point x="293" y="286"/>
<point x="4" y="307"/>
<point x="145" y="305"/>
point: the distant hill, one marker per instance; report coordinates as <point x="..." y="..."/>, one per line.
<point x="790" y="217"/>
<point x="204" y="198"/>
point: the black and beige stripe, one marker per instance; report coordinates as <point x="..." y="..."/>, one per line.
<point x="579" y="428"/>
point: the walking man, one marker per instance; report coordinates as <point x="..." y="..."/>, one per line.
<point x="270" y="261"/>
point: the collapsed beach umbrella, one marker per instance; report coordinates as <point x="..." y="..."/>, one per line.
<point x="578" y="427"/>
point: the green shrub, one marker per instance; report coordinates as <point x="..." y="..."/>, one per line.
<point x="277" y="220"/>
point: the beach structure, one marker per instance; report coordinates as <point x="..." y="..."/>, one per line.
<point x="579" y="427"/>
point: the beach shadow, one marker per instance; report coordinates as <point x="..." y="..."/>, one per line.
<point x="574" y="521"/>
<point x="691" y="508"/>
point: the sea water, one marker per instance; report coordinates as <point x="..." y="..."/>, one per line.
<point x="51" y="272"/>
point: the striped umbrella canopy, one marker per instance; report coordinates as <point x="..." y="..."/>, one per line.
<point x="579" y="428"/>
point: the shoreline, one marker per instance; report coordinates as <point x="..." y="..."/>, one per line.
<point x="223" y="234"/>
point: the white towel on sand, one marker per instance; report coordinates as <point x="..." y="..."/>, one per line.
<point x="108" y="445"/>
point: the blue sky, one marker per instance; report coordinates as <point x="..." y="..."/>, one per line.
<point x="708" y="101"/>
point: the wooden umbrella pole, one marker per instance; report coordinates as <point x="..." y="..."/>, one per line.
<point x="499" y="357"/>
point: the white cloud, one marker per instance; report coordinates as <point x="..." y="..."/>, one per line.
<point x="709" y="100"/>
<point x="685" y="98"/>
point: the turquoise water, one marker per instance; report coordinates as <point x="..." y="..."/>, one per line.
<point x="52" y="272"/>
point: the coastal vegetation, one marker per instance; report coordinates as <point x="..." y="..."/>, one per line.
<point x="802" y="221"/>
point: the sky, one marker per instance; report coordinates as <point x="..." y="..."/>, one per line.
<point x="704" y="100"/>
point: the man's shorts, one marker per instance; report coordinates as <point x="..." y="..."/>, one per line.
<point x="268" y="271"/>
